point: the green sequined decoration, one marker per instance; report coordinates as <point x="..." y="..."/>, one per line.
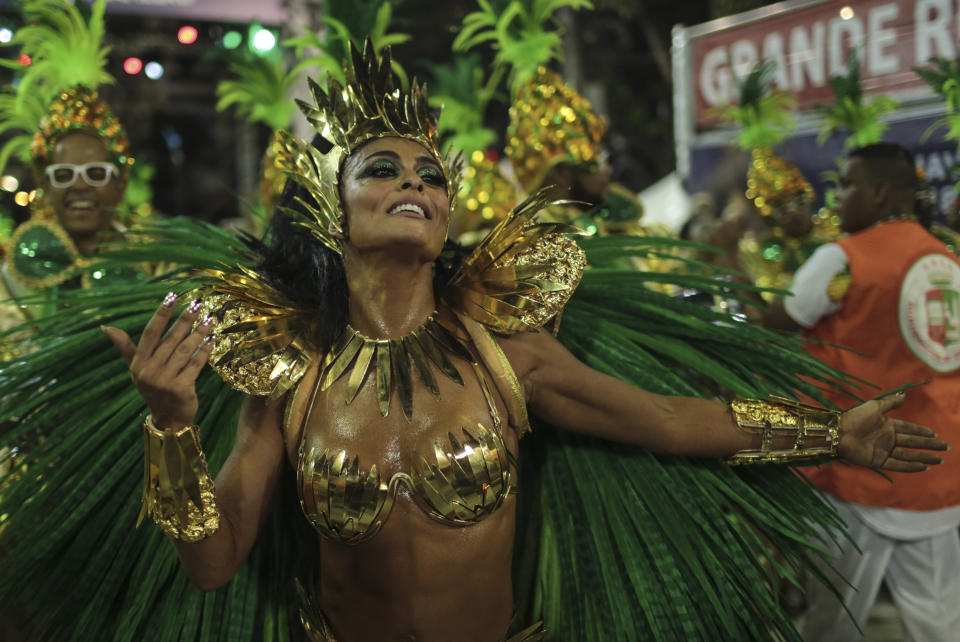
<point x="39" y="254"/>
<point x="616" y="209"/>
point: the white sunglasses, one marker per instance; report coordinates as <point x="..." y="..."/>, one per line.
<point x="63" y="175"/>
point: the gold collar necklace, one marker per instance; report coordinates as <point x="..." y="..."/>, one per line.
<point x="391" y="359"/>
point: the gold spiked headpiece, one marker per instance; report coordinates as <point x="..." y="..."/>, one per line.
<point x="366" y="107"/>
<point x="773" y="182"/>
<point x="551" y="123"/>
<point x="80" y="109"/>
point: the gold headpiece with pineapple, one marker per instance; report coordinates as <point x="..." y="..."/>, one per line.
<point x="764" y="115"/>
<point x="81" y="109"/>
<point x="551" y="123"/>
<point x="368" y="106"/>
<point x="773" y="182"/>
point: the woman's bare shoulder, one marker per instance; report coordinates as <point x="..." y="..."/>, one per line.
<point x="528" y="351"/>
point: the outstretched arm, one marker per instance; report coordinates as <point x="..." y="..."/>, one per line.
<point x="571" y="395"/>
<point x="164" y="367"/>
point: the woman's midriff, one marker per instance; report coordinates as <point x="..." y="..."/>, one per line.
<point x="421" y="580"/>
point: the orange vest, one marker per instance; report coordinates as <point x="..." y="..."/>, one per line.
<point x="901" y="316"/>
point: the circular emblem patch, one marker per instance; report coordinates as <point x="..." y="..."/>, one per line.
<point x="930" y="311"/>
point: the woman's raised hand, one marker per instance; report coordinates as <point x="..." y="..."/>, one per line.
<point x="869" y="438"/>
<point x="165" y="366"/>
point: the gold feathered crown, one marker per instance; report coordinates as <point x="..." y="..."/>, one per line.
<point x="366" y="107"/>
<point x="551" y="123"/>
<point x="82" y="109"/>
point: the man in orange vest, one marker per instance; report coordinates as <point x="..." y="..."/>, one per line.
<point x="890" y="292"/>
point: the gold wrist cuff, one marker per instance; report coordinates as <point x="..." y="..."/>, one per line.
<point x="177" y="489"/>
<point x="815" y="431"/>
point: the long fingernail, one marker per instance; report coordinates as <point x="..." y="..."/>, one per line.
<point x="170" y="299"/>
<point x="207" y="321"/>
<point x="194" y="307"/>
<point x="210" y="338"/>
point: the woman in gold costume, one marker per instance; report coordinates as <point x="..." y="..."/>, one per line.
<point x="407" y="478"/>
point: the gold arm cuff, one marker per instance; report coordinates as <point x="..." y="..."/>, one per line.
<point x="815" y="431"/>
<point x="177" y="489"/>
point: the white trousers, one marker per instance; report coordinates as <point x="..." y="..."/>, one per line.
<point x="923" y="575"/>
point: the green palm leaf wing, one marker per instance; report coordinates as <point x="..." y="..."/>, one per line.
<point x="612" y="543"/>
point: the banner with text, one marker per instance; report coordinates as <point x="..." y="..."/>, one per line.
<point x="811" y="43"/>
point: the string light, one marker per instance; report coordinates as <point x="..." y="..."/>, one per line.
<point x="187" y="34"/>
<point x="153" y="70"/>
<point x="232" y="40"/>
<point x="263" y="40"/>
<point x="132" y="66"/>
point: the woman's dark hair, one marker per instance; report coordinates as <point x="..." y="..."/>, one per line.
<point x="311" y="274"/>
<point x="302" y="268"/>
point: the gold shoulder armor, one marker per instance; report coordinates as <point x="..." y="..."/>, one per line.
<point x="521" y="275"/>
<point x="264" y="341"/>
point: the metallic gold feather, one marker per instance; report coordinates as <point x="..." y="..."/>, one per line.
<point x="521" y="275"/>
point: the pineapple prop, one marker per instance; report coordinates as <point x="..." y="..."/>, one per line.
<point x="778" y="190"/>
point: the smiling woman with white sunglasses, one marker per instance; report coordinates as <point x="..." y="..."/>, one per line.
<point x="80" y="155"/>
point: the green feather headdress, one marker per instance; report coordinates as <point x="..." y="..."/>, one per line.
<point x="57" y="91"/>
<point x="348" y="23"/>
<point x="260" y="92"/>
<point x="524" y="34"/>
<point x="762" y="113"/>
<point x="461" y="89"/>
<point x="20" y="114"/>
<point x="944" y="78"/>
<point x="65" y="48"/>
<point x="849" y="112"/>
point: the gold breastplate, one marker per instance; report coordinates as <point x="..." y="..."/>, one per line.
<point x="458" y="480"/>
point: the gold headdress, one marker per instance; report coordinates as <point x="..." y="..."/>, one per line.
<point x="765" y="119"/>
<point x="773" y="182"/>
<point x="551" y="123"/>
<point x="80" y="109"/>
<point x="366" y="107"/>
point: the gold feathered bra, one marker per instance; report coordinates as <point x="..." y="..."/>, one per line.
<point x="516" y="280"/>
